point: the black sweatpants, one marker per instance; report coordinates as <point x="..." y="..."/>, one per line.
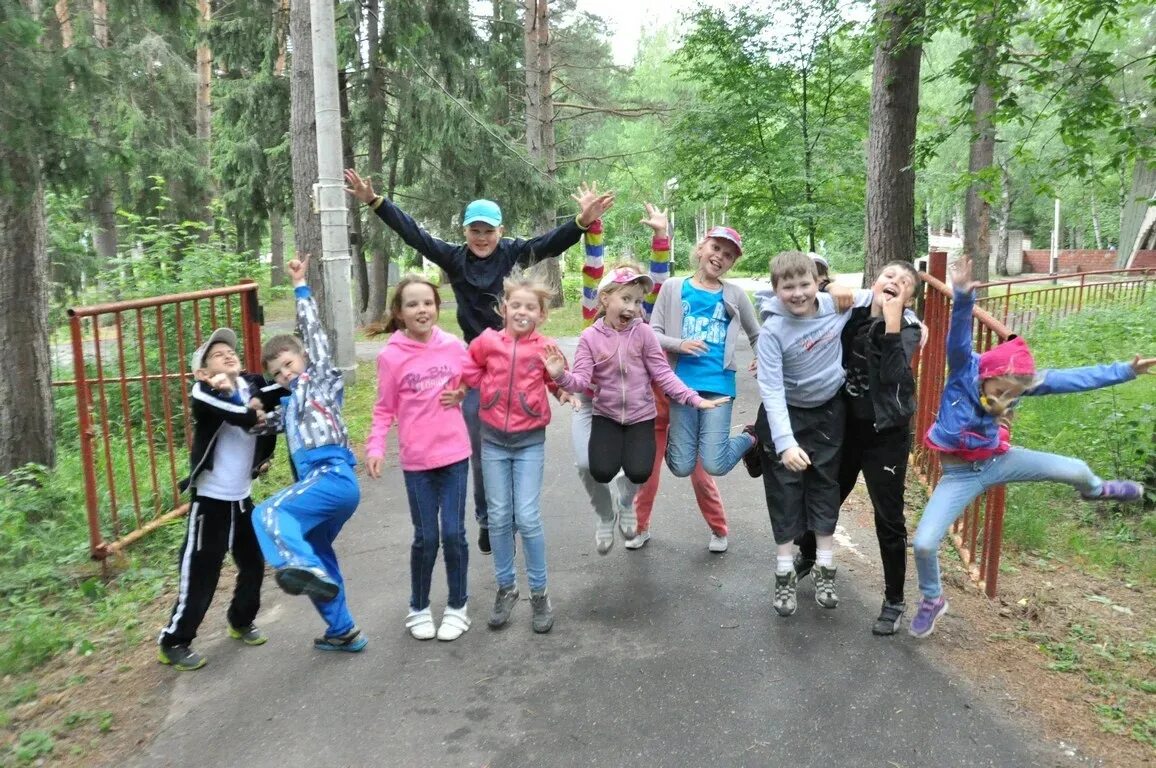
<point x="626" y="447"/>
<point x="882" y="458"/>
<point x="798" y="502"/>
<point x="214" y="528"/>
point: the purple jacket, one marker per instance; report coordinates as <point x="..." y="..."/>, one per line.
<point x="618" y="366"/>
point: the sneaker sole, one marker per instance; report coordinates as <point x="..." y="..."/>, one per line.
<point x="180" y="667"/>
<point x="885" y="631"/>
<point x="930" y="629"/>
<point x="298" y="581"/>
<point x="784" y="612"/>
<point x="356" y="646"/>
<point x="640" y="545"/>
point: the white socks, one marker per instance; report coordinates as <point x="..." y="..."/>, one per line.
<point x="784" y="563"/>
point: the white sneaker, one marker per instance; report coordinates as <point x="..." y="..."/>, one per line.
<point x="421" y="624"/>
<point x="455" y="623"/>
<point x="717" y="543"/>
<point x="627" y="520"/>
<point x="604" y="535"/>
<point x="639" y="541"/>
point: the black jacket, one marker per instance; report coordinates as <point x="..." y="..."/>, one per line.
<point x="213" y="409"/>
<point x="880" y="386"/>
<point x="477" y="283"/>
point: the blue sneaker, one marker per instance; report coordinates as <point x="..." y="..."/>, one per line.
<point x="923" y="623"/>
<point x="351" y="642"/>
<point x="1125" y="491"/>
<point x="312" y="582"/>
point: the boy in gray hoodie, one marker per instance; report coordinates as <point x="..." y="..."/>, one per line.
<point x="802" y="417"/>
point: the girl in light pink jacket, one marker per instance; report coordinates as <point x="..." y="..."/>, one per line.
<point x="617" y="359"/>
<point x="419" y="386"/>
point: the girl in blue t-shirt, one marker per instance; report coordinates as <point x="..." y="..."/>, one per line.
<point x="697" y="321"/>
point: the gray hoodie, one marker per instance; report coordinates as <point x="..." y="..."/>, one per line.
<point x="800" y="359"/>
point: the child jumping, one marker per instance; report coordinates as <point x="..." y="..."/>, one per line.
<point x="802" y="417"/>
<point x="418" y="377"/>
<point x="972" y="434"/>
<point x="698" y="322"/>
<point x="506" y="368"/>
<point x="476" y="270"/>
<point x="296" y="527"/>
<point x="225" y="458"/>
<point x="617" y="359"/>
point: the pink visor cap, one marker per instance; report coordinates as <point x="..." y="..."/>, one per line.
<point x="625" y="276"/>
<point x="726" y="233"/>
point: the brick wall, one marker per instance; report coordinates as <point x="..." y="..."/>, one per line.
<point x="1144" y="259"/>
<point x="1070" y="260"/>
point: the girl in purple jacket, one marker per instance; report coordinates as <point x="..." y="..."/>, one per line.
<point x="617" y="359"/>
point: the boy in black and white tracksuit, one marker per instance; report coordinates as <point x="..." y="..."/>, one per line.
<point x="225" y="458"/>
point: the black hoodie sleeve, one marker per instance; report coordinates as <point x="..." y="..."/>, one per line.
<point x="446" y="255"/>
<point x="898" y="350"/>
<point x="554" y="243"/>
<point x="208" y="403"/>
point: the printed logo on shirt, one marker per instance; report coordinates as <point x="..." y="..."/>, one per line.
<point x="434" y="378"/>
<point x="818" y="338"/>
<point x="712" y="330"/>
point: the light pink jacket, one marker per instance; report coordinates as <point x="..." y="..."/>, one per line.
<point x="410" y="378"/>
<point x="618" y="366"/>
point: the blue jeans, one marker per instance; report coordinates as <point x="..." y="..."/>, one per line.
<point x="513" y="488"/>
<point x="296" y="527"/>
<point x="696" y="434"/>
<point x="470" y="408"/>
<point x="432" y="491"/>
<point x="961" y="483"/>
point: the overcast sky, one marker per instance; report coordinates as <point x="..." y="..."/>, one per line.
<point x="626" y="19"/>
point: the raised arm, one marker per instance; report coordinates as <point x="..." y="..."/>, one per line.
<point x="308" y="322"/>
<point x="592" y="204"/>
<point x="592" y="269"/>
<point x="435" y="249"/>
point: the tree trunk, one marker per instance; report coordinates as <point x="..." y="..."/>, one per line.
<point x="1134" y="207"/>
<point x="26" y="419"/>
<point x="540" y="139"/>
<point x="377" y="236"/>
<point x="1096" y="225"/>
<point x="356" y="255"/>
<point x="303" y="145"/>
<point x="1005" y="201"/>
<point x="204" y="116"/>
<point x="891" y="135"/>
<point x="105" y="241"/>
<point x="276" y="248"/>
<point x="977" y="221"/>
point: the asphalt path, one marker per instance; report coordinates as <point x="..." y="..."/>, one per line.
<point x="666" y="656"/>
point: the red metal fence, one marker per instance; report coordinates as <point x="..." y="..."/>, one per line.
<point x="1019" y="303"/>
<point x="979" y="532"/>
<point x="131" y="380"/>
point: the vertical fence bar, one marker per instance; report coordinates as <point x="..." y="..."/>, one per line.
<point x="87" y="437"/>
<point x="146" y="400"/>
<point x="126" y="414"/>
<point x="181" y="354"/>
<point x="166" y="397"/>
<point x="114" y="512"/>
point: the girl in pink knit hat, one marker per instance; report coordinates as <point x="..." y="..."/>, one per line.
<point x="972" y="434"/>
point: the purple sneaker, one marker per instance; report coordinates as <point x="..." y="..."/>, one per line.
<point x="1125" y="491"/>
<point x="923" y="624"/>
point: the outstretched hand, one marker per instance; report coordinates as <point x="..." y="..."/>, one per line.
<point x="554" y="361"/>
<point x="591" y="203"/>
<point x="1143" y="365"/>
<point x="361" y="188"/>
<point x="567" y="398"/>
<point x="960" y="273"/>
<point x="298" y="269"/>
<point x="706" y="405"/>
<point x="657" y="219"/>
<point x="844" y="297"/>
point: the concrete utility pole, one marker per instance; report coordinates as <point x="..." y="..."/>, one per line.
<point x="329" y="192"/>
<point x="1054" y="261"/>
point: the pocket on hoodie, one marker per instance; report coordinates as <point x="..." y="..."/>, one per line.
<point x="526" y="407"/>
<point x="486" y="405"/>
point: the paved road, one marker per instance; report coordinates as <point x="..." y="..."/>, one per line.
<point x="669" y="656"/>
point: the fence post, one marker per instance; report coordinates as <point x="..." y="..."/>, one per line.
<point x="251" y="328"/>
<point x="96" y="548"/>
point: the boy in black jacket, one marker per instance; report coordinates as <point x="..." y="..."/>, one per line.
<point x="879" y="343"/>
<point x="476" y="270"/>
<point x="225" y="458"/>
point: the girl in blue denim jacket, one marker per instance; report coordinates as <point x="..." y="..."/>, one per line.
<point x="972" y="434"/>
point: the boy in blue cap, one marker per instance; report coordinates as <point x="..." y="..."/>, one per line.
<point x="476" y="270"/>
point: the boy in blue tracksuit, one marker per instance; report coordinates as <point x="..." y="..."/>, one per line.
<point x="296" y="527"/>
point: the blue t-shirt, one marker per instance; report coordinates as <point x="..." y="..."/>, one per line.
<point x="704" y="318"/>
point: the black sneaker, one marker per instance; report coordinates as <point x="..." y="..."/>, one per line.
<point x="504" y="603"/>
<point x="312" y="582"/>
<point x="249" y="635"/>
<point x="803" y="566"/>
<point x="180" y="657"/>
<point x="889" y="616"/>
<point x="543" y="612"/>
<point x="753" y="459"/>
<point x="484" y="541"/>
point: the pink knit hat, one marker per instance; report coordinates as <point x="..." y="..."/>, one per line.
<point x="1011" y="358"/>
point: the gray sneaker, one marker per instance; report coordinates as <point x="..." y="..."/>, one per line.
<point x="543" y="612"/>
<point x="785" y="602"/>
<point x="504" y="603"/>
<point x="889" y="616"/>
<point x="825" y="586"/>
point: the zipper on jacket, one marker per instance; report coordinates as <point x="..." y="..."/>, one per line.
<point x="510" y="390"/>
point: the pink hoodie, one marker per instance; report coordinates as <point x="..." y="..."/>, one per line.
<point x="618" y="367"/>
<point x="410" y="378"/>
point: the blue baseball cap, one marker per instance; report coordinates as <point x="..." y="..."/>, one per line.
<point x="486" y="211"/>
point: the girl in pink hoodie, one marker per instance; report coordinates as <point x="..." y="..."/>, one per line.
<point x="617" y="359"/>
<point x="419" y="386"/>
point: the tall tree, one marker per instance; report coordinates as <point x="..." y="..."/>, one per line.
<point x="540" y="136"/>
<point x="303" y="144"/>
<point x="891" y="135"/>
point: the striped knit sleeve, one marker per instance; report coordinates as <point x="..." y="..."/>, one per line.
<point x="592" y="271"/>
<point x="660" y="268"/>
